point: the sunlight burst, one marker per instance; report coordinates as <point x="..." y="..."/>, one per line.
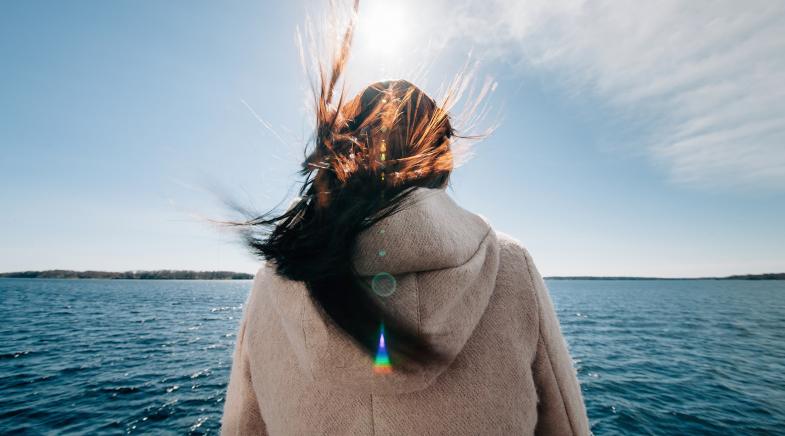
<point x="382" y="28"/>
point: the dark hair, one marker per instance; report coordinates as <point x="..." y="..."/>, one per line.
<point x="369" y="153"/>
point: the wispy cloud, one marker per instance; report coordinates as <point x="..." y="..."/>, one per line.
<point x="711" y="73"/>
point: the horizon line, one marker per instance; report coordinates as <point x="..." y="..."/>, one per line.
<point x="760" y="276"/>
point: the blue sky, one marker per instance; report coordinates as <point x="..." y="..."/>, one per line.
<point x="633" y="140"/>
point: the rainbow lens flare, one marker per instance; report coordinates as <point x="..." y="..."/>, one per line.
<point x="381" y="364"/>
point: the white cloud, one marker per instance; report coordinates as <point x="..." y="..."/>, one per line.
<point x="712" y="73"/>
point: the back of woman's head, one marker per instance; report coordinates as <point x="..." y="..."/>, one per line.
<point x="368" y="154"/>
<point x="391" y="136"/>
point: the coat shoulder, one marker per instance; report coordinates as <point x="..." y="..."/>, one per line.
<point x="513" y="252"/>
<point x="514" y="276"/>
<point x="515" y="255"/>
<point x="259" y="286"/>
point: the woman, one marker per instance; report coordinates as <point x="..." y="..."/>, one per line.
<point x="386" y="308"/>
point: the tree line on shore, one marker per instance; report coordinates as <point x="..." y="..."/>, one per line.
<point x="768" y="276"/>
<point x="164" y="274"/>
<point x="167" y="274"/>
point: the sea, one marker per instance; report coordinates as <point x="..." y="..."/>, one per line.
<point x="654" y="357"/>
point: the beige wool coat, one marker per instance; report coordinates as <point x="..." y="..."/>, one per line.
<point x="472" y="291"/>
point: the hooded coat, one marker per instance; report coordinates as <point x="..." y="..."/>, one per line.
<point x="473" y="292"/>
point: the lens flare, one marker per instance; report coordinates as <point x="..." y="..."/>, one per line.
<point x="381" y="364"/>
<point x="383" y="284"/>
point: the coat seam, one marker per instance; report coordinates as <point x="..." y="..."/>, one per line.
<point x="417" y="287"/>
<point x="534" y="291"/>
<point x="419" y="326"/>
<point x="545" y="344"/>
<point x="305" y="336"/>
<point x="461" y="262"/>
<point x="373" y="423"/>
<point x="468" y="258"/>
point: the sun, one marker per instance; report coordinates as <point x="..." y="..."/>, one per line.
<point x="382" y="28"/>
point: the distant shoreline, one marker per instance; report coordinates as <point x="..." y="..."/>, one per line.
<point x="129" y="275"/>
<point x="232" y="275"/>
<point x="768" y="276"/>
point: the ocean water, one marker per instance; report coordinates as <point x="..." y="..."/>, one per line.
<point x="153" y="357"/>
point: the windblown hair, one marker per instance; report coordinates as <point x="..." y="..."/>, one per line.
<point x="369" y="153"/>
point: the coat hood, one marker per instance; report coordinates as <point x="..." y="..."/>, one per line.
<point x="443" y="259"/>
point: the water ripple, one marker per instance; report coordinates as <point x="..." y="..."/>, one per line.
<point x="139" y="361"/>
<point x="677" y="357"/>
<point x="153" y="357"/>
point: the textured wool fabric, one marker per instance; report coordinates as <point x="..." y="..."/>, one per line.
<point x="473" y="292"/>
